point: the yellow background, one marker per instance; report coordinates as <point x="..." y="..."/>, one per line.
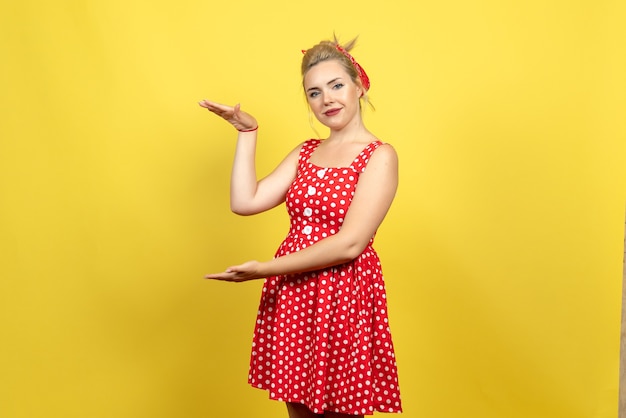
<point x="502" y="252"/>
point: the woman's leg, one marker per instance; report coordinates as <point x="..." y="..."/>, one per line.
<point x="297" y="410"/>
<point x="338" y="415"/>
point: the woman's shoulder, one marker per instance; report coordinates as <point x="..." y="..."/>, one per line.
<point x="383" y="152"/>
<point x="375" y="152"/>
<point x="312" y="142"/>
<point x="309" y="145"/>
<point x="382" y="147"/>
<point x="303" y="150"/>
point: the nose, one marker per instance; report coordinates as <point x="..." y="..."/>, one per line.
<point x="327" y="97"/>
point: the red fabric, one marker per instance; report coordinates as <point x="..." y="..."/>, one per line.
<point x="322" y="338"/>
<point x="365" y="80"/>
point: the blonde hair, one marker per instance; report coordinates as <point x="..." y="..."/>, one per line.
<point x="326" y="51"/>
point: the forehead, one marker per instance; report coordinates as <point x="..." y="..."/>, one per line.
<point x="324" y="72"/>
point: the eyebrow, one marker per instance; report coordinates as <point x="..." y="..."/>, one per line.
<point x="329" y="83"/>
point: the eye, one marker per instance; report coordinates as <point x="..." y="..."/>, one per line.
<point x="314" y="94"/>
<point x="338" y="86"/>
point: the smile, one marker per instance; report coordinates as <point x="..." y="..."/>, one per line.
<point x="332" y="112"/>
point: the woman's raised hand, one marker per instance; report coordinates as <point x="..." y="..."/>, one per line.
<point x="241" y="120"/>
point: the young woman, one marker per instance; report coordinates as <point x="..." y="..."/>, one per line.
<point x="322" y="342"/>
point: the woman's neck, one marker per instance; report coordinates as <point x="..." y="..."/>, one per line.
<point x="355" y="132"/>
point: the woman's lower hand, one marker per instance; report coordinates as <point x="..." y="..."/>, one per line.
<point x="242" y="121"/>
<point x="241" y="273"/>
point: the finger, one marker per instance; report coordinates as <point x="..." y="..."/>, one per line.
<point x="226" y="279"/>
<point x="237" y="112"/>
<point x="218" y="276"/>
<point x="216" y="108"/>
<point x="206" y="103"/>
<point x="221" y="279"/>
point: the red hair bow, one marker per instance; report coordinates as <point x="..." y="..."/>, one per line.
<point x="365" y="80"/>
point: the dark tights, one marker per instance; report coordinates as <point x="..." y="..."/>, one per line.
<point x="297" y="410"/>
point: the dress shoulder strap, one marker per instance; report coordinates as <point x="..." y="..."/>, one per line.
<point x="306" y="150"/>
<point x="360" y="162"/>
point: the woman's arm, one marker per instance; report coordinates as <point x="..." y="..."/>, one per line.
<point x="372" y="199"/>
<point x="248" y="196"/>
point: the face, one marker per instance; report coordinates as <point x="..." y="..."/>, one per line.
<point x="332" y="95"/>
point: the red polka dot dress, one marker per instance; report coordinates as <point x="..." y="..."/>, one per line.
<point x="322" y="338"/>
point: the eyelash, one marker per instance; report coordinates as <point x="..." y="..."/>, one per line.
<point x="336" y="87"/>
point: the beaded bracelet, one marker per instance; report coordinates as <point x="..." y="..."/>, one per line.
<point x="248" y="130"/>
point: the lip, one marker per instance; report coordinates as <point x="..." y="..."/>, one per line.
<point x="332" y="112"/>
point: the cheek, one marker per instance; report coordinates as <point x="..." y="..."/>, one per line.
<point x="313" y="104"/>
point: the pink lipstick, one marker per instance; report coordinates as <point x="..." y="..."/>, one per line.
<point x="332" y="112"/>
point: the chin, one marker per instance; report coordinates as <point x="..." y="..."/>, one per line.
<point x="334" y="126"/>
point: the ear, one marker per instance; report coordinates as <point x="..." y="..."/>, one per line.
<point x="359" y="89"/>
